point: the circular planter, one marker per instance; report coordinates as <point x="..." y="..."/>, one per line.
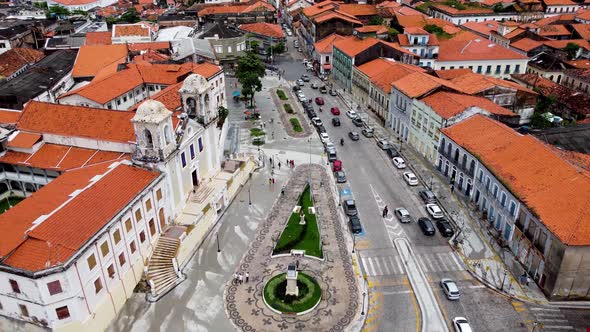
<point x="310" y="295"/>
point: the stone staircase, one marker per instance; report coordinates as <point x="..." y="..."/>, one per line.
<point x="161" y="269"/>
<point x="202" y="194"/>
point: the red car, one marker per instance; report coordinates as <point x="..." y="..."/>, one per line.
<point x="336" y="165"/>
<point x="335" y="110"/>
<point x="319" y="100"/>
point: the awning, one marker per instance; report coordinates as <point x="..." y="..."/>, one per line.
<point x="236" y="93"/>
<point x="327" y="66"/>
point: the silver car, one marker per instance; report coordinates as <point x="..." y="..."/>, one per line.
<point x="450" y="289"/>
<point x="403" y="215"/>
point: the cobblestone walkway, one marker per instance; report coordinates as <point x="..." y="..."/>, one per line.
<point x="340" y="294"/>
<point x="295" y="106"/>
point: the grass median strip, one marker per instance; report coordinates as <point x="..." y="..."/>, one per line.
<point x="296" y="125"/>
<point x="288" y="108"/>
<point x="282" y="94"/>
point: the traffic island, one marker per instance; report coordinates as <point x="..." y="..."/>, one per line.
<point x="277" y="297"/>
<point x="292" y="117"/>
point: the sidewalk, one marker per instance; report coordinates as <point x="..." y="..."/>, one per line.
<point x="482" y="255"/>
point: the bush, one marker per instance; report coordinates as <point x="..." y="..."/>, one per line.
<point x="281" y="94"/>
<point x="310" y="293"/>
<point x="255" y="132"/>
<point x="288" y="108"/>
<point x="296" y="125"/>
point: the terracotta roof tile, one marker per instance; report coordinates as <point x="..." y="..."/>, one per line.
<point x="554" y="30"/>
<point x="336" y="15"/>
<point x="92" y="58"/>
<point x="228" y="9"/>
<point x="456" y="11"/>
<point x="471" y="48"/>
<point x="580" y="64"/>
<point x="131" y="30"/>
<point x="16" y="58"/>
<point x="449" y="74"/>
<point x="352" y="45"/>
<point x="378" y="29"/>
<point x="405" y="41"/>
<point x="583" y="15"/>
<point x="264" y="29"/>
<point x="9" y="116"/>
<point x="160" y="45"/>
<point x="526" y="44"/>
<point x="74" y="2"/>
<point x="418" y="84"/>
<point x="383" y="72"/>
<point x="318" y="8"/>
<point x="474" y="83"/>
<point x="550" y="186"/>
<point x="23" y="140"/>
<point x="559" y="3"/>
<point x="77" y="121"/>
<point x="561" y="44"/>
<point x="96" y="204"/>
<point x="98" y="38"/>
<point x="358" y="9"/>
<point x="583" y="30"/>
<point x="448" y="105"/>
<point x="484" y="28"/>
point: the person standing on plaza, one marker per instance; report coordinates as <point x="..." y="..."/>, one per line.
<point x="240" y="278"/>
<point x="247" y="276"/>
<point x="385" y="211"/>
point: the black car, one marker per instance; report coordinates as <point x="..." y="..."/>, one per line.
<point x="355" y="224"/>
<point x="427" y="196"/>
<point x="445" y="228"/>
<point x="391" y="152"/>
<point x="321" y="129"/>
<point x="296" y="88"/>
<point x="354" y="135"/>
<point x="336" y="122"/>
<point x="426" y="226"/>
<point x="308" y="106"/>
<point x="358" y="122"/>
<point x="311" y="114"/>
<point x="340" y="177"/>
<point x="323" y="89"/>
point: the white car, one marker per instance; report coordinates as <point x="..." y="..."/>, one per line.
<point x="330" y="146"/>
<point x="316" y="121"/>
<point x="383" y="144"/>
<point x="461" y="324"/>
<point x="324" y="137"/>
<point x="351" y="114"/>
<point x="410" y="179"/>
<point x="450" y="289"/>
<point x="289" y="33"/>
<point x="301" y="98"/>
<point x="403" y="215"/>
<point x="434" y="211"/>
<point x="399" y="162"/>
<point x="300" y="82"/>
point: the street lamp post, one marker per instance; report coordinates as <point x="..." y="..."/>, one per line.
<point x="363" y="308"/>
<point x="249" y="197"/>
<point x="217" y="237"/>
<point x="353" y="242"/>
<point x="503" y="280"/>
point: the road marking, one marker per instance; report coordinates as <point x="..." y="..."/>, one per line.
<point x="545" y="309"/>
<point x="549" y="314"/>
<point x="370" y="267"/>
<point x="386" y="265"/>
<point x="477" y="286"/>
<point x="377" y="266"/>
<point x="552" y="320"/>
<point x="460" y="267"/>
<point x="435" y="263"/>
<point x="442" y="261"/>
<point x="557" y="327"/>
<point x="384" y="270"/>
<point x="398" y="292"/>
<point x="420" y="261"/>
<point x="366" y="266"/>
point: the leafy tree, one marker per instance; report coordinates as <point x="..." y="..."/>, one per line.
<point x="130" y="16"/>
<point x="278" y="48"/>
<point x="498" y="8"/>
<point x="41" y="5"/>
<point x="223" y="113"/>
<point x="539" y="121"/>
<point x="254" y="44"/>
<point x="59" y="10"/>
<point x="392" y="33"/>
<point x="433" y="29"/>
<point x="250" y="71"/>
<point x="572" y="50"/>
<point x="79" y="12"/>
<point x="376" y="20"/>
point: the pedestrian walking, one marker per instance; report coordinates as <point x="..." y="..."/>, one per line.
<point x="528" y="279"/>
<point x="297" y="264"/>
<point x="269" y="181"/>
<point x="263" y="124"/>
<point x="452" y="188"/>
<point x="247" y="276"/>
<point x="283" y="191"/>
<point x="270" y="161"/>
<point x="293" y="163"/>
<point x="385" y="211"/>
<point x="240" y="278"/>
<point x="273" y="180"/>
<point x="279" y="161"/>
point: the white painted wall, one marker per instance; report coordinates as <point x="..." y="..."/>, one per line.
<point x="507" y="67"/>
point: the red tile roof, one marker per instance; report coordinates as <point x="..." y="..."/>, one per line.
<point x="474" y="83"/>
<point x="405" y="41"/>
<point x="418" y="84"/>
<point x="161" y="45"/>
<point x="358" y="9"/>
<point x="559" y="3"/>
<point x="580" y="64"/>
<point x="325" y="45"/>
<point x="352" y="45"/>
<point x="551" y="187"/>
<point x="583" y="30"/>
<point x="382" y="72"/>
<point x="264" y="29"/>
<point x="469" y="47"/>
<point x="378" y="29"/>
<point x="131" y="30"/>
<point x="9" y="116"/>
<point x="560" y="44"/>
<point x="74" y="2"/>
<point x="455" y="11"/>
<point x="319" y="7"/>
<point x="92" y="58"/>
<point x="336" y="15"/>
<point x="448" y="105"/>
<point x="483" y="28"/>
<point x="449" y="74"/>
<point x="554" y="30"/>
<point x="16" y="58"/>
<point x="23" y="140"/>
<point x="54" y="240"/>
<point x="526" y="44"/>
<point x="229" y="9"/>
<point x="98" y="38"/>
<point x="77" y="121"/>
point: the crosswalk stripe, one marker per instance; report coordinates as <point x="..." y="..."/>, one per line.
<point x="429" y="262"/>
<point x="436" y="262"/>
<point x="545" y="309"/>
<point x="552" y="320"/>
<point x="459" y="267"/>
<point x="557" y="327"/>
<point x="366" y="266"/>
<point x="370" y="266"/>
<point x="383" y="266"/>
<point x="549" y="314"/>
<point x="384" y="260"/>
<point x="378" y="271"/>
<point x="442" y="262"/>
<point x="421" y="263"/>
<point x="395" y="267"/>
<point x="399" y="265"/>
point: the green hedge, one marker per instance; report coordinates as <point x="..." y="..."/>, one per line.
<point x="255" y="132"/>
<point x="288" y="108"/>
<point x="281" y="94"/>
<point x="296" y="125"/>
<point x="310" y="293"/>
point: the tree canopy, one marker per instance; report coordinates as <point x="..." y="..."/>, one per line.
<point x="249" y="72"/>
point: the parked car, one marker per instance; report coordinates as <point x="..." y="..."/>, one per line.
<point x="305" y="78"/>
<point x="314" y="85"/>
<point x="358" y="122"/>
<point x="426" y="226"/>
<point x="355" y="224"/>
<point x="445" y="228"/>
<point x="329" y="146"/>
<point x="332" y="155"/>
<point x="383" y="144"/>
<point x="340" y="177"/>
<point x="336" y="165"/>
<point x="461" y="324"/>
<point x="321" y="129"/>
<point x="354" y="135"/>
<point x="450" y="289"/>
<point x="316" y="121"/>
<point x="391" y="152"/>
<point x="300" y="82"/>
<point x="410" y="178"/>
<point x="403" y="215"/>
<point x="368" y="132"/>
<point x="323" y="90"/>
<point x="296" y="88"/>
<point x="336" y="122"/>
<point x="324" y="138"/>
<point x="301" y="98"/>
<point x="319" y="100"/>
<point x="311" y="114"/>
<point x="333" y="93"/>
<point x="427" y="196"/>
<point x="349" y="207"/>
<point x="434" y="211"/>
<point x="335" y="110"/>
<point x="399" y="162"/>
<point x="351" y="114"/>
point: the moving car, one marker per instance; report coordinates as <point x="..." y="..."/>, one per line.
<point x="314" y="85"/>
<point x="434" y="211"/>
<point x="319" y="100"/>
<point x="383" y="144"/>
<point x="300" y="82"/>
<point x="426" y="226"/>
<point x="391" y="152"/>
<point x="336" y="165"/>
<point x="316" y="121"/>
<point x="427" y="196"/>
<point x="333" y="93"/>
<point x="351" y="114"/>
<point x="403" y="215"/>
<point x="398" y="162"/>
<point x="340" y="177"/>
<point x="355" y="224"/>
<point x="354" y="135"/>
<point x="324" y="138"/>
<point x="461" y="324"/>
<point x="410" y="178"/>
<point x="368" y="132"/>
<point x="336" y="122"/>
<point x="445" y="228"/>
<point x="305" y="78"/>
<point x="323" y="89"/>
<point x="358" y="122"/>
<point x="450" y="289"/>
<point x="335" y="110"/>
<point x="349" y="207"/>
